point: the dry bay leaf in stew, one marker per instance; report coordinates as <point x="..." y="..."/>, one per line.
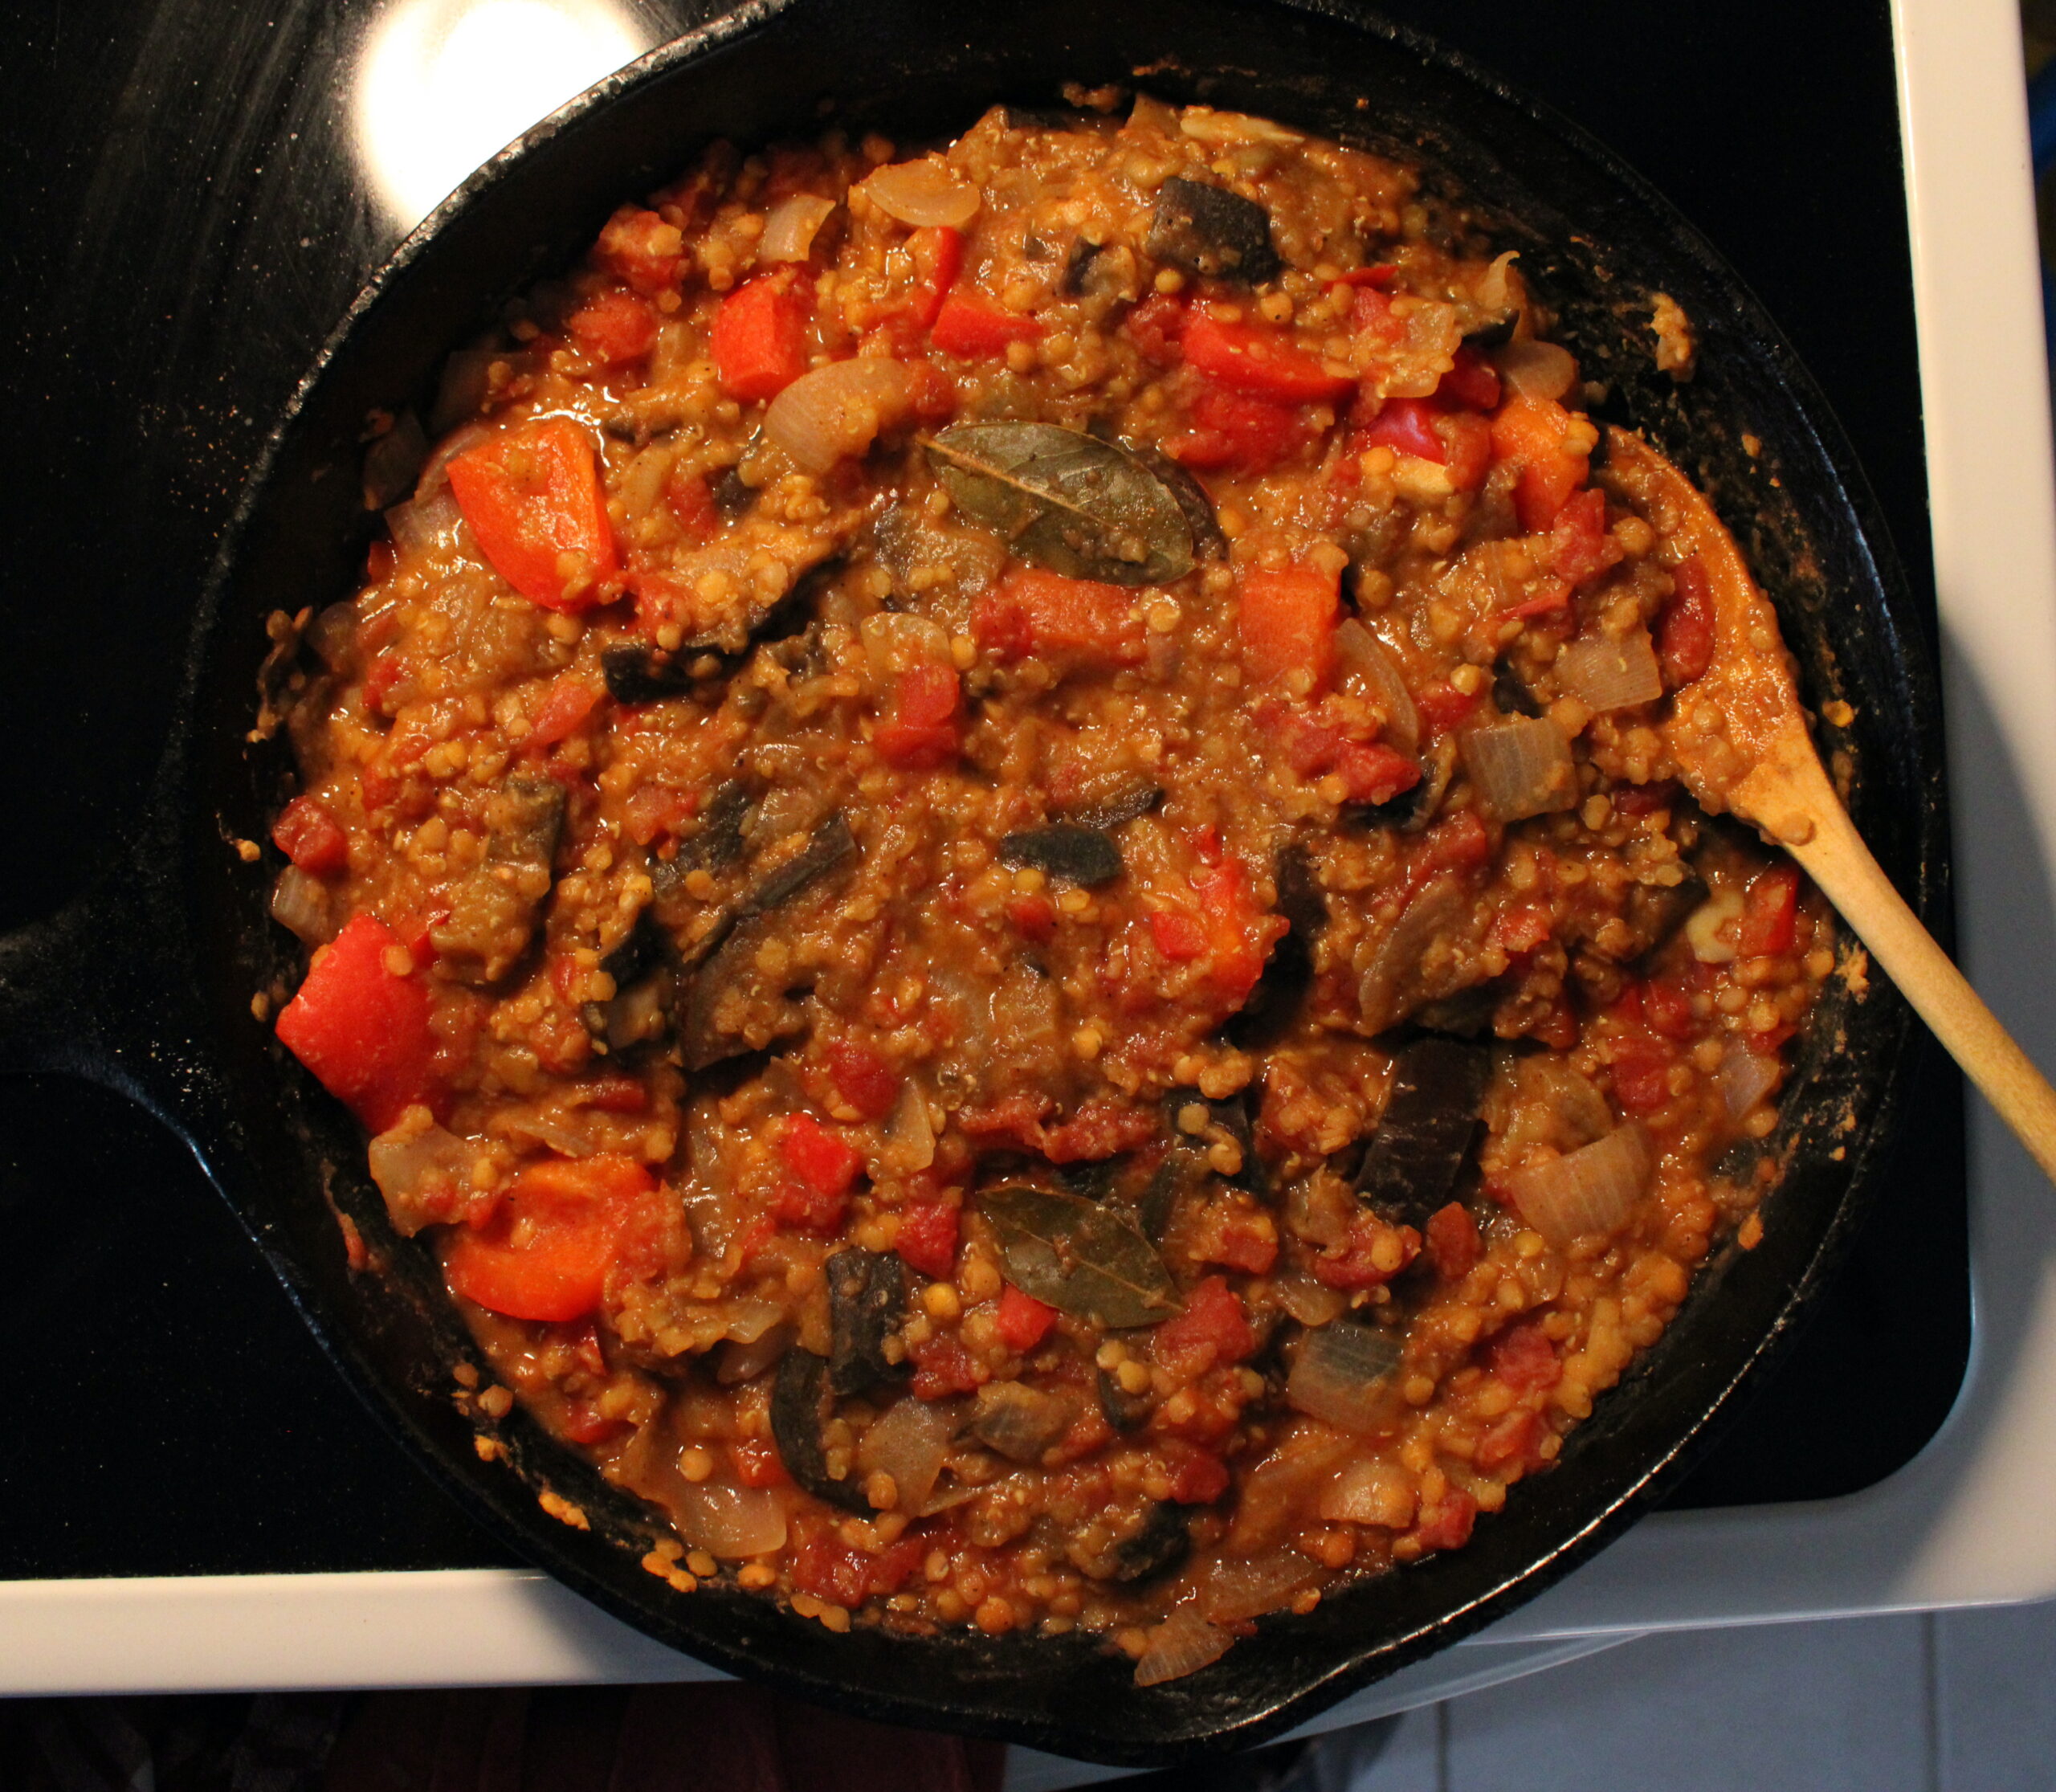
<point x="978" y="1003"/>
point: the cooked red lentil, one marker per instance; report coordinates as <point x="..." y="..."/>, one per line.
<point x="995" y="856"/>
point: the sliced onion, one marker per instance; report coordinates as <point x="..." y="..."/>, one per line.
<point x="1240" y="1590"/>
<point x="838" y="411"/>
<point x="898" y="641"/>
<point x="1371" y="1492"/>
<point x="1182" y="1644"/>
<point x="1521" y="767"/>
<point x="1745" y="1078"/>
<point x="1309" y="1302"/>
<point x="1364" y="661"/>
<point x="1705" y="926"/>
<point x="435" y="476"/>
<point x="745" y="1361"/>
<point x="788" y="232"/>
<point x="910" y="1131"/>
<point x="1604" y="674"/>
<point x="422" y="1171"/>
<point x="420" y="525"/>
<point x="1341" y="1375"/>
<point x="908" y="1443"/>
<point x="725" y="1519"/>
<point x="925" y="192"/>
<point x="300" y="903"/>
<point x="1537" y="369"/>
<point x="1204" y="124"/>
<point x="1591" y="1191"/>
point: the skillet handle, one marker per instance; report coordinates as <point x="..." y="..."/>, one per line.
<point x="87" y="992"/>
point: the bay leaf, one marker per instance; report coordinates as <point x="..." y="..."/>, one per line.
<point x="1067" y="501"/>
<point x="1085" y="1259"/>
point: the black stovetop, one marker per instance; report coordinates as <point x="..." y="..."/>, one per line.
<point x="183" y="224"/>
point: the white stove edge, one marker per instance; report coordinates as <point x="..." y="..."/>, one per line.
<point x="1961" y="1525"/>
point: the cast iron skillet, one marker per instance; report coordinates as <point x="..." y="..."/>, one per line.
<point x="146" y="984"/>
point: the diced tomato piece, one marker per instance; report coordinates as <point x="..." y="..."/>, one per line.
<point x="1033" y="916"/>
<point x="809" y="1209"/>
<point x="1236" y="1238"/>
<point x="919" y="731"/>
<point x="364" y="1029"/>
<point x="1473" y="382"/>
<point x="969" y="325"/>
<point x="616" y="326"/>
<point x="615" y="1092"/>
<point x="938" y="253"/>
<point x="1405" y="426"/>
<point x="585" y="1424"/>
<point x="688" y="499"/>
<point x="1382" y="275"/>
<point x="1374" y="1253"/>
<point x="312" y="838"/>
<point x="1467" y="449"/>
<point x="760" y="335"/>
<point x="826" y="1162"/>
<point x="534" y="501"/>
<point x="643" y="249"/>
<point x="1522" y="1357"/>
<point x="942" y="1366"/>
<point x="546" y="1252"/>
<point x="1240" y="934"/>
<point x="1238" y="432"/>
<point x="1460" y="841"/>
<point x="829" y="1569"/>
<point x="1770" y="913"/>
<point x="1045" y="613"/>
<point x="1644" y="799"/>
<point x="656" y="809"/>
<point x="1580" y="547"/>
<point x="1552" y="597"/>
<point x="864" y="1081"/>
<point x="381" y="560"/>
<point x="1522" y="927"/>
<point x="927" y="1237"/>
<point x="1685" y="625"/>
<point x="1286" y="624"/>
<point x="1448" y="1526"/>
<point x="1100" y="1126"/>
<point x="1667" y="1010"/>
<point x="1374" y="772"/>
<point x="1641" y="1072"/>
<point x="1443" y="706"/>
<point x="563" y="711"/>
<point x="1022" y="1321"/>
<point x="1370" y="312"/>
<point x="1516" y="1440"/>
<point x="1258" y="359"/>
<point x="1213" y="1331"/>
<point x="758" y="1463"/>
<point x="1530" y="432"/>
<point x="1454" y="1246"/>
<point x="1179" y="937"/>
<point x="891" y="1568"/>
<point x="1198" y="1477"/>
<point x="1156" y="325"/>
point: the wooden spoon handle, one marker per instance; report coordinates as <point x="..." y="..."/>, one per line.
<point x="1835" y="857"/>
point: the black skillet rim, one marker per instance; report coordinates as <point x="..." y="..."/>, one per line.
<point x="516" y="1521"/>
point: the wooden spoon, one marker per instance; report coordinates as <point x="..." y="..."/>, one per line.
<point x="1741" y="742"/>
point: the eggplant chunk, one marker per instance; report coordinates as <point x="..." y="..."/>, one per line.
<point x="493" y="911"/>
<point x="866" y="1305"/>
<point x="1281" y="992"/>
<point x="1160" y="1541"/>
<point x="800" y="1406"/>
<point x="1065" y="851"/>
<point x="1209" y="230"/>
<point x="1428" y="1130"/>
<point x="727" y="1003"/>
<point x="1111" y="810"/>
<point x="718" y="843"/>
<point x="1123" y="1411"/>
<point x="1226" y="1119"/>
<point x="1020" y="1422"/>
<point x="637" y="672"/>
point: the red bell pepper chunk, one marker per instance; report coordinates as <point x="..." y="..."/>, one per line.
<point x="1474" y="381"/>
<point x="363" y="1028"/>
<point x="614" y="326"/>
<point x="1286" y="624"/>
<point x="1045" y="613"/>
<point x="919" y="729"/>
<point x="1179" y="937"/>
<point x="1254" y="358"/>
<point x="534" y="501"/>
<point x="1022" y="1321"/>
<point x="312" y="838"/>
<point x="561" y="1226"/>
<point x="826" y="1162"/>
<point x="1770" y="914"/>
<point x="1685" y="625"/>
<point x="970" y="325"/>
<point x="927" y="1237"/>
<point x="760" y="335"/>
<point x="1405" y="426"/>
<point x="938" y="253"/>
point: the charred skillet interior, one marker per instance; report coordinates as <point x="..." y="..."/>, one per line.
<point x="1750" y="429"/>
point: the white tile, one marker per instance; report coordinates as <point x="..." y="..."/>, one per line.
<point x="1370" y="1758"/>
<point x="1836" y="1707"/>
<point x="1995" y="1675"/>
